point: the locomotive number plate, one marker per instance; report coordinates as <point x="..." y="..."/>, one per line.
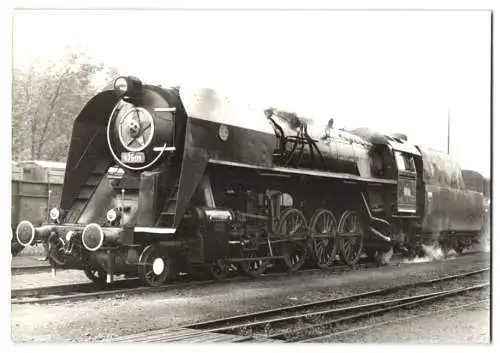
<point x="133" y="157"/>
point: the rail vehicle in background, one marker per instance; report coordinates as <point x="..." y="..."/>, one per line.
<point x="36" y="187"/>
<point x="208" y="183"/>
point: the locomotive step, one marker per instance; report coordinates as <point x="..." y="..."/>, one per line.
<point x="167" y="213"/>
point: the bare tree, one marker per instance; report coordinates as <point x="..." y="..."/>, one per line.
<point x="47" y="100"/>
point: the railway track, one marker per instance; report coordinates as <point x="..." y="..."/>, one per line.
<point x="29" y="264"/>
<point x="185" y="335"/>
<point x="300" y="322"/>
<point x="85" y="291"/>
<point x="23" y="270"/>
<point x="336" y="334"/>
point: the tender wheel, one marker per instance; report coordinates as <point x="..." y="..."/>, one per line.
<point x="155" y="267"/>
<point x="323" y="227"/>
<point x="351" y="244"/>
<point x="293" y="224"/>
<point x="254" y="268"/>
<point x="96" y="276"/>
<point x="219" y="270"/>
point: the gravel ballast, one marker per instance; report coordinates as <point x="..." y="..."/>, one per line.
<point x="93" y="320"/>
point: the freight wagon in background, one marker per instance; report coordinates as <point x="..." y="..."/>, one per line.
<point x="32" y="182"/>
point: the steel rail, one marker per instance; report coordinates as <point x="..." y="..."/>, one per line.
<point x="341" y="310"/>
<point x="187" y="335"/>
<point x="105" y="293"/>
<point x="398" y="304"/>
<point x="53" y="290"/>
<point x="65" y="288"/>
<point x="182" y="283"/>
<point x="249" y="319"/>
<point x="21" y="270"/>
<point x="363" y="314"/>
<point x="406" y="318"/>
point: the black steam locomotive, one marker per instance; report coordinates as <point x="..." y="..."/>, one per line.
<point x="161" y="181"/>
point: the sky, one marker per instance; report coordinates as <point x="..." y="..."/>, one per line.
<point x="391" y="71"/>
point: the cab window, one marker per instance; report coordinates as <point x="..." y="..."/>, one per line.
<point x="400" y="161"/>
<point x="405" y="162"/>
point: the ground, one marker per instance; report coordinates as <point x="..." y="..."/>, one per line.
<point x="93" y="320"/>
<point x="460" y="326"/>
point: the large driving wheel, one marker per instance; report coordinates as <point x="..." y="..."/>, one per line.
<point x="351" y="233"/>
<point x="96" y="276"/>
<point x="323" y="233"/>
<point x="155" y="267"/>
<point x="293" y="226"/>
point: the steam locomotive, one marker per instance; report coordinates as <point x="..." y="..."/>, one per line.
<point x="161" y="181"/>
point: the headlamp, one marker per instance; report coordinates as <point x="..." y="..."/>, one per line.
<point x="121" y="85"/>
<point x="112" y="215"/>
<point x="54" y="214"/>
<point x="128" y="86"/>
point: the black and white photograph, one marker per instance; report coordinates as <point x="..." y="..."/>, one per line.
<point x="250" y="175"/>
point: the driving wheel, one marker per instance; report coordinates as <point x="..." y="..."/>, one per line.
<point x="293" y="227"/>
<point x="351" y="233"/>
<point x="324" y="237"/>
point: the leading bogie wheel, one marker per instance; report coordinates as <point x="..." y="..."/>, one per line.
<point x="96" y="276"/>
<point x="323" y="227"/>
<point x="155" y="266"/>
<point x="351" y="232"/>
<point x="293" y="226"/>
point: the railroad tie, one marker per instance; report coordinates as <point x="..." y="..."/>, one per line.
<point x="179" y="335"/>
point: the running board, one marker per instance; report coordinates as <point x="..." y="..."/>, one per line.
<point x="155" y="230"/>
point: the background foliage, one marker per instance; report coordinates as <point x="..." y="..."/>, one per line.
<point x="46" y="100"/>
